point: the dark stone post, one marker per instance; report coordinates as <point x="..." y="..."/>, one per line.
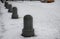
<point x="10" y="8"/>
<point x="14" y="13"/>
<point x="28" y="30"/>
<point x="1" y="1"/>
<point x="6" y="4"/>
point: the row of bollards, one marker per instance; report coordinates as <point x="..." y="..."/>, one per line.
<point x="12" y="10"/>
<point x="43" y="1"/>
<point x="8" y="6"/>
<point x="28" y="30"/>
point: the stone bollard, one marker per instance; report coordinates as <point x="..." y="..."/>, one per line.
<point x="1" y="1"/>
<point x="10" y="8"/>
<point x="6" y="4"/>
<point x="14" y="13"/>
<point x="28" y="30"/>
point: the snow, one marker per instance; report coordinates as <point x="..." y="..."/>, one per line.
<point x="46" y="20"/>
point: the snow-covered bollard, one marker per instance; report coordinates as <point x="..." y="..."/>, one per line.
<point x="1" y="1"/>
<point x="28" y="30"/>
<point x="6" y="5"/>
<point x="10" y="8"/>
<point x="14" y="13"/>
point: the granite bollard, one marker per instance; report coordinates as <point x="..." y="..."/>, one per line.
<point x="14" y="13"/>
<point x="10" y="8"/>
<point x="28" y="30"/>
<point x="1" y="1"/>
<point x="6" y="4"/>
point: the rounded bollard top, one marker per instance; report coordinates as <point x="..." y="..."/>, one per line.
<point x="27" y="17"/>
<point x="14" y="8"/>
<point x="10" y="5"/>
<point x="6" y="2"/>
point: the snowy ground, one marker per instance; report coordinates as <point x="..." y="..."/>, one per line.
<point x="46" y="20"/>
